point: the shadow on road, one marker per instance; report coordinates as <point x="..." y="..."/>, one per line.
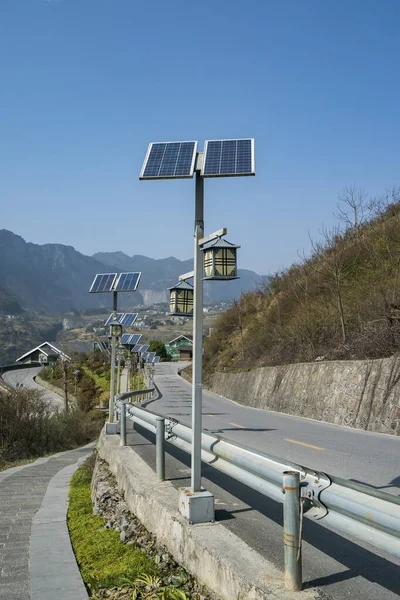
<point x="395" y="483"/>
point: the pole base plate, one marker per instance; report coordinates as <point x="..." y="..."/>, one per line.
<point x="196" y="507"/>
<point x="111" y="428"/>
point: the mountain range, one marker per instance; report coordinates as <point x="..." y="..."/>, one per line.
<point x="55" y="278"/>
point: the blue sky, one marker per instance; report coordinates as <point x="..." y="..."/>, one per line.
<point x="86" y="85"/>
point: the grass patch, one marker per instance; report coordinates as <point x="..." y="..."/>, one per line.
<point x="104" y="561"/>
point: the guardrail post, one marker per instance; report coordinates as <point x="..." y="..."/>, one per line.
<point x="160" y="449"/>
<point x="122" y="424"/>
<point x="291" y="530"/>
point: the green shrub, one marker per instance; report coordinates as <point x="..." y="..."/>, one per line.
<point x="29" y="428"/>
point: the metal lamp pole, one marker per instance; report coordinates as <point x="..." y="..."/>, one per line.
<point x="112" y="379"/>
<point x="197" y="337"/>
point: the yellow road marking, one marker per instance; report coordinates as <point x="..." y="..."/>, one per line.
<point x="240" y="426"/>
<point x="210" y="415"/>
<point x="303" y="444"/>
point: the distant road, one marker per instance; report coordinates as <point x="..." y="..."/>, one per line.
<point x="370" y="458"/>
<point x="25" y="376"/>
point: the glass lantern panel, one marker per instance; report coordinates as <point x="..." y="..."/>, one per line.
<point x="208" y="263"/>
<point x="184" y="302"/>
<point x="225" y="262"/>
<point x="172" y="301"/>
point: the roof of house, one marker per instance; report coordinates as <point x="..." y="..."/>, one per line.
<point x="189" y="338"/>
<point x="47" y="349"/>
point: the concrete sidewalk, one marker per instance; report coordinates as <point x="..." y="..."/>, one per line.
<point x="36" y="557"/>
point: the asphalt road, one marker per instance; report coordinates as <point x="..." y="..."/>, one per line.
<point x="370" y="458"/>
<point x="25" y="377"/>
<point x="338" y="565"/>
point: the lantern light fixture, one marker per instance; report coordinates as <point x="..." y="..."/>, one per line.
<point x="220" y="260"/>
<point x="181" y="299"/>
<point x="115" y="329"/>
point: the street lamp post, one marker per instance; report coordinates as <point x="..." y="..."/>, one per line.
<point x="171" y="160"/>
<point x="120" y="356"/>
<point x="115" y="332"/>
<point x="106" y="283"/>
<point x="197" y="337"/>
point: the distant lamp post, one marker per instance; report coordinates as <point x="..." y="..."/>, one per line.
<point x="115" y="333"/>
<point x="120" y="357"/>
<point x="181" y="299"/>
<point x="115" y="329"/>
<point x="220" y="261"/>
<point x="76" y="375"/>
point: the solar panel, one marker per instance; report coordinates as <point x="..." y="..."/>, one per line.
<point x="127" y="282"/>
<point x="227" y="158"/>
<point x="111" y="318"/>
<point x="125" y="338"/>
<point x="128" y="319"/>
<point x="156" y="359"/>
<point x="150" y="356"/>
<point x="137" y="348"/>
<point x="144" y="348"/>
<point x="169" y="160"/>
<point x="103" y="282"/>
<point x="133" y="340"/>
<point x="143" y="355"/>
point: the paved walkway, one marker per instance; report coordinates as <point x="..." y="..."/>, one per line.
<point x="36" y="557"/>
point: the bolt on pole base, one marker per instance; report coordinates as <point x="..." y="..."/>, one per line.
<point x="196" y="507"/>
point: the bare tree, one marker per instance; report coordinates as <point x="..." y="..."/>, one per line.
<point x="352" y="208"/>
<point x="328" y="261"/>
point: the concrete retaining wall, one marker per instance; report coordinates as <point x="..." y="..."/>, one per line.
<point x="361" y="394"/>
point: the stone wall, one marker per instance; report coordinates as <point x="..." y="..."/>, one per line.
<point x="361" y="394"/>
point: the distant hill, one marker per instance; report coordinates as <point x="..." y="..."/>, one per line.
<point x="8" y="304"/>
<point x="55" y="278"/>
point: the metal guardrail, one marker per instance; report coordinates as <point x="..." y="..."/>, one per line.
<point x="370" y="515"/>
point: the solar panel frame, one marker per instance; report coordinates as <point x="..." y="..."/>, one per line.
<point x="233" y="152"/>
<point x="106" y="280"/>
<point x="118" y="287"/>
<point x="111" y="319"/>
<point x="162" y="172"/>
<point x="128" y="319"/>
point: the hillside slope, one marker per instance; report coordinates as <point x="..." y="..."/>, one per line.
<point x="342" y="302"/>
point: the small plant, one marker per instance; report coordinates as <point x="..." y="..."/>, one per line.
<point x="147" y="587"/>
